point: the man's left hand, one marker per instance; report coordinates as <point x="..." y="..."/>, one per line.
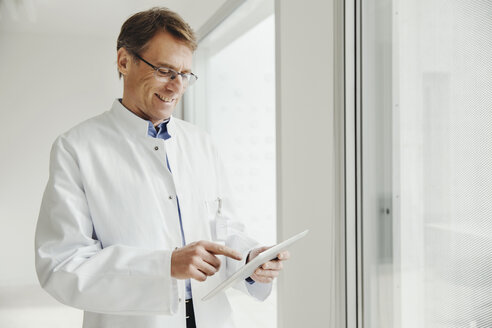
<point x="269" y="270"/>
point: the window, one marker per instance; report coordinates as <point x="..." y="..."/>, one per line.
<point x="234" y="100"/>
<point x="426" y="163"/>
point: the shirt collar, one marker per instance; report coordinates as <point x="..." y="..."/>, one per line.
<point x="160" y="132"/>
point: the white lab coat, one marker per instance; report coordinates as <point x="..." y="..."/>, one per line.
<point x="109" y="222"/>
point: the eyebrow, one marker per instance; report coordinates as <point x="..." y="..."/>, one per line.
<point x="161" y="64"/>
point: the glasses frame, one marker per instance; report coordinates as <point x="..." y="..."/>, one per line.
<point x="187" y="78"/>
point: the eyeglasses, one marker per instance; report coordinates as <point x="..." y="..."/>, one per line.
<point x="165" y="74"/>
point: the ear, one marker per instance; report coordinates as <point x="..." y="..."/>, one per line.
<point x="124" y="61"/>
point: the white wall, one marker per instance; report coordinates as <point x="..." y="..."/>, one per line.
<point x="309" y="121"/>
<point x="48" y="84"/>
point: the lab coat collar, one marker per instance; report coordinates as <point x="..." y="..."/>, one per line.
<point x="133" y="124"/>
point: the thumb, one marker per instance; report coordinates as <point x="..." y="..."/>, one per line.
<point x="254" y="253"/>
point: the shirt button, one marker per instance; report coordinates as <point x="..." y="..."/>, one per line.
<point x="156" y="148"/>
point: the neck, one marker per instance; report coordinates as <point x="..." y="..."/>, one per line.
<point x="135" y="110"/>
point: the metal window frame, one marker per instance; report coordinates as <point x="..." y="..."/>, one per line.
<point x="353" y="165"/>
<point x="218" y="17"/>
<point x="223" y="13"/>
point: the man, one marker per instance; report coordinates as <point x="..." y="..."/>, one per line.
<point x="136" y="225"/>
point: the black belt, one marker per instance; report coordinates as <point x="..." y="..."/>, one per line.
<point x="190" y="314"/>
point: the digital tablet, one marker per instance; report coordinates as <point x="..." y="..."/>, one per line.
<point x="248" y="269"/>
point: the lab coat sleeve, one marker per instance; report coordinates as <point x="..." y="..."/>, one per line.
<point x="237" y="238"/>
<point x="75" y="269"/>
<point x="244" y="245"/>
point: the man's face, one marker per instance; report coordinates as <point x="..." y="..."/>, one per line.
<point x="143" y="93"/>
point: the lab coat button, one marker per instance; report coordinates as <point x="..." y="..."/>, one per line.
<point x="156" y="148"/>
<point x="170" y="197"/>
<point x="180" y="300"/>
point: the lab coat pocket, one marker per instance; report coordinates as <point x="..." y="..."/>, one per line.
<point x="218" y="224"/>
<point x="219" y="232"/>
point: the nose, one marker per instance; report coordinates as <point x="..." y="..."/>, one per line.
<point x="175" y="83"/>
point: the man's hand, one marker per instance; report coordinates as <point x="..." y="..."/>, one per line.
<point x="269" y="270"/>
<point x="197" y="260"/>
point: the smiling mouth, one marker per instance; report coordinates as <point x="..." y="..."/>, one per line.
<point x="164" y="99"/>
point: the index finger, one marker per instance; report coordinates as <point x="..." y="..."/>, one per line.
<point x="218" y="249"/>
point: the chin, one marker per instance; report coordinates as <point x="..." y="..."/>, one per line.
<point x="162" y="109"/>
<point x="164" y="113"/>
